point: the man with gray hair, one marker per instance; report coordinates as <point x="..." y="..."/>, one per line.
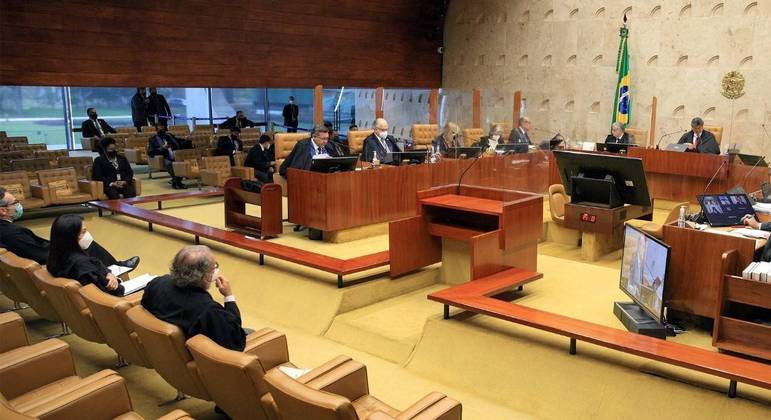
<point x="519" y="134"/>
<point x="700" y="140"/>
<point x="617" y="134"/>
<point x="182" y="298"/>
<point x="306" y="150"/>
<point x="379" y="143"/>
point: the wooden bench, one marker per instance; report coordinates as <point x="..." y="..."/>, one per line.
<point x="321" y="262"/>
<point x="474" y="296"/>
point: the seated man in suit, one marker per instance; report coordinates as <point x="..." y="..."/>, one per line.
<point x="379" y="143"/>
<point x="164" y="144"/>
<point x="182" y="298"/>
<point x="700" y="140"/>
<point x="751" y="222"/>
<point x="229" y="145"/>
<point x="520" y="134"/>
<point x="617" y="134"/>
<point x="25" y="244"/>
<point x="260" y="159"/>
<point x="95" y="127"/>
<point x="450" y="138"/>
<point x="239" y="121"/>
<point x="335" y="143"/>
<point x="489" y="142"/>
<point x="305" y="150"/>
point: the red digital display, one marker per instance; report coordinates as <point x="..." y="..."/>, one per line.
<point x="590" y="218"/>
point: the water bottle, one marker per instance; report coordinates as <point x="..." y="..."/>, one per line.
<point x="375" y="160"/>
<point x="681" y="219"/>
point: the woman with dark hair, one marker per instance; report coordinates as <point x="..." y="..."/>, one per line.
<point x="113" y="170"/>
<point x="67" y="256"/>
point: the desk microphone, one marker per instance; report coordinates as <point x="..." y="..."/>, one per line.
<point x="464" y="172"/>
<point x="669" y="134"/>
<point x="762" y="158"/>
<point x="714" y="176"/>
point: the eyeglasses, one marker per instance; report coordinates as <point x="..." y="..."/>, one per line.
<point x="216" y="265"/>
<point x="13" y="203"/>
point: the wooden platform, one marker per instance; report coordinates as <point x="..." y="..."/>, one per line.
<point x="475" y="297"/>
<point x="299" y="256"/>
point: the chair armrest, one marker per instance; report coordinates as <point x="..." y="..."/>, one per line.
<point x="88" y="187"/>
<point x="433" y="406"/>
<point x="13" y="331"/>
<point x="30" y="367"/>
<point x="341" y="376"/>
<point x="269" y="346"/>
<point x="210" y="177"/>
<point x="243" y="172"/>
<point x="182" y="169"/>
<point x="100" y="190"/>
<point x="157" y="163"/>
<point x="41" y="192"/>
<point x="138" y="186"/>
<point x="102" y="395"/>
<point x="138" y="155"/>
<point x="176" y="415"/>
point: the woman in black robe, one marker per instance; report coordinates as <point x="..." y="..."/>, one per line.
<point x="67" y="256"/>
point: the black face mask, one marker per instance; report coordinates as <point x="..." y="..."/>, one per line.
<point x="161" y="131"/>
<point x="234" y="137"/>
<point x="92" y="115"/>
<point x="112" y="154"/>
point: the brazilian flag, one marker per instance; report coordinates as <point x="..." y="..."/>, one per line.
<point x="622" y="107"/>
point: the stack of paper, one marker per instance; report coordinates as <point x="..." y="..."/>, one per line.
<point x="758" y="271"/>
<point x="753" y="233"/>
<point x="117" y="270"/>
<point x="136" y="284"/>
<point x="293" y="373"/>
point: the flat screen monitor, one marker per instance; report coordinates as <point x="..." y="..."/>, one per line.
<point x="626" y="173"/>
<point x="512" y="148"/>
<point x="410" y="158"/>
<point x="614" y="147"/>
<point x="725" y="209"/>
<point x="462" y="152"/>
<point x="644" y="262"/>
<point x="334" y="164"/>
<point x="677" y="147"/>
<point x="753" y="160"/>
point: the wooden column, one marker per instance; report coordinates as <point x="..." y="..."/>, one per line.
<point x="652" y="133"/>
<point x="517" y="107"/>
<point x="379" y="102"/>
<point x="318" y="104"/>
<point x="433" y="106"/>
<point x="476" y="109"/>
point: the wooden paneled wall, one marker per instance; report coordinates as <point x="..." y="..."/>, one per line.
<point x="241" y="43"/>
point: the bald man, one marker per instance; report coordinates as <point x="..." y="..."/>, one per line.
<point x="519" y="134"/>
<point x="379" y="143"/>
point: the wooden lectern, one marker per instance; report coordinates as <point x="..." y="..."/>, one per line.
<point x="269" y="200"/>
<point x="499" y="228"/>
<point x="602" y="229"/>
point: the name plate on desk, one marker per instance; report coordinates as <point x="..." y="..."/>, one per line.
<point x="590" y="218"/>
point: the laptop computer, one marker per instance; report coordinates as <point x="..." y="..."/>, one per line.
<point x="752" y="160"/>
<point x="677" y="147"/>
<point x="725" y="209"/>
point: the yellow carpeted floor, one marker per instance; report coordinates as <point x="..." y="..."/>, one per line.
<point x="496" y="369"/>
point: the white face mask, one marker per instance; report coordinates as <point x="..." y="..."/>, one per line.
<point x="383" y="134"/>
<point x="495" y="137"/>
<point x="85" y="241"/>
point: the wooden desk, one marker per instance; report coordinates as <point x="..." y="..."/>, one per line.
<point x="269" y="224"/>
<point x="694" y="274"/>
<point x="602" y="229"/>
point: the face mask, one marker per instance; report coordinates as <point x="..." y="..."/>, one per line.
<point x="85" y="241"/>
<point x="112" y="154"/>
<point x="291" y="102"/>
<point x="161" y="131"/>
<point x="383" y="134"/>
<point x="19" y="211"/>
<point x="92" y="115"/>
<point x="495" y="137"/>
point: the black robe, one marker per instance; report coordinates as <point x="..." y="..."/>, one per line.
<point x="86" y="270"/>
<point x="25" y="244"/>
<point x="194" y="311"/>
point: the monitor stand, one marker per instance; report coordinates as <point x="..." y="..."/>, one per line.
<point x="638" y="321"/>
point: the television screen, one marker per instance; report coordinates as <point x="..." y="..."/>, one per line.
<point x="644" y="270"/>
<point x="725" y="209"/>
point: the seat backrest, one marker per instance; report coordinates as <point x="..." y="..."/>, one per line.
<point x="203" y="129"/>
<point x="187" y="154"/>
<point x="356" y="140"/>
<point x="284" y="143"/>
<point x="296" y="401"/>
<point x="148" y="129"/>
<point x="127" y="130"/>
<point x="506" y="128"/>
<point x="472" y="135"/>
<point x="557" y="201"/>
<point x="64" y="297"/>
<point x="30" y="147"/>
<point x="15" y="180"/>
<point x="164" y="345"/>
<point x="6" y="285"/>
<point x="180" y="129"/>
<point x="424" y="134"/>
<point x="234" y="379"/>
<point x="17" y="139"/>
<point x="19" y="271"/>
<point x="716" y="130"/>
<point x="109" y="313"/>
<point x="30" y="165"/>
<point x="79" y="163"/>
<point x="637" y="135"/>
<point x="50" y="176"/>
<point x="201" y="141"/>
<point x="52" y="155"/>
<point x="220" y="164"/>
<point x="251" y="131"/>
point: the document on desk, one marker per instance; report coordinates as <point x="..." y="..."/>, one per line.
<point x="752" y="233"/>
<point x="136" y="284"/>
<point x="118" y="270"/>
<point x="293" y="373"/>
<point x="762" y="207"/>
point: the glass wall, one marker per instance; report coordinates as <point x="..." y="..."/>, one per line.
<point x="277" y="98"/>
<point x="112" y="104"/>
<point x="36" y="112"/>
<point x="226" y="102"/>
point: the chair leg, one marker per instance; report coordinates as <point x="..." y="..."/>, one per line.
<point x="180" y="396"/>
<point x="65" y="331"/>
<point x="120" y="363"/>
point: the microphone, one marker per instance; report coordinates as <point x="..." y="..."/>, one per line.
<point x="762" y="158"/>
<point x="466" y="170"/>
<point x="669" y="134"/>
<point x="714" y="176"/>
<point x="765" y="131"/>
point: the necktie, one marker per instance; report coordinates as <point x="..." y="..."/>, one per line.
<point x="319" y="152"/>
<point x="99" y="128"/>
<point x="697" y="141"/>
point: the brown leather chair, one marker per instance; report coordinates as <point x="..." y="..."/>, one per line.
<point x="179" y="130"/>
<point x="283" y="144"/>
<point x="65" y="298"/>
<point x="203" y="129"/>
<point x="187" y="164"/>
<point x="13" y="331"/>
<point x="127" y="130"/>
<point x="109" y="313"/>
<point x="52" y="155"/>
<point x="30" y="166"/>
<point x="6" y="156"/>
<point x="103" y="196"/>
<point x="472" y="135"/>
<point x="136" y="148"/>
<point x="637" y="136"/>
<point x="164" y="345"/>
<point x="717" y="131"/>
<point x="557" y="201"/>
<point x="16" y="139"/>
<point x="81" y="164"/>
<point x="19" y="271"/>
<point x="215" y="170"/>
<point x="235" y="379"/>
<point x="356" y="141"/>
<point x="424" y="134"/>
<point x="9" y="289"/>
<point x="31" y="196"/>
<point x="30" y="148"/>
<point x="656" y="229"/>
<point x="339" y="390"/>
<point x="65" y="188"/>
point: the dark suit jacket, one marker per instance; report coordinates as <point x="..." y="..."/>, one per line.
<point x="624" y="139"/>
<point x="155" y="145"/>
<point x="291" y="113"/>
<point x="234" y="122"/>
<point x="372" y="145"/>
<point x="194" y="311"/>
<point x="484" y="142"/>
<point x="103" y="170"/>
<point x="258" y="159"/>
<point x="443" y="147"/>
<point x="23" y="242"/>
<point x="226" y="146"/>
<point x="516" y="136"/>
<point x="88" y="128"/>
<point x="86" y="270"/>
<point x="767" y="250"/>
<point x="138" y="109"/>
<point x="707" y="144"/>
<point x="300" y="156"/>
<point x="157" y="105"/>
